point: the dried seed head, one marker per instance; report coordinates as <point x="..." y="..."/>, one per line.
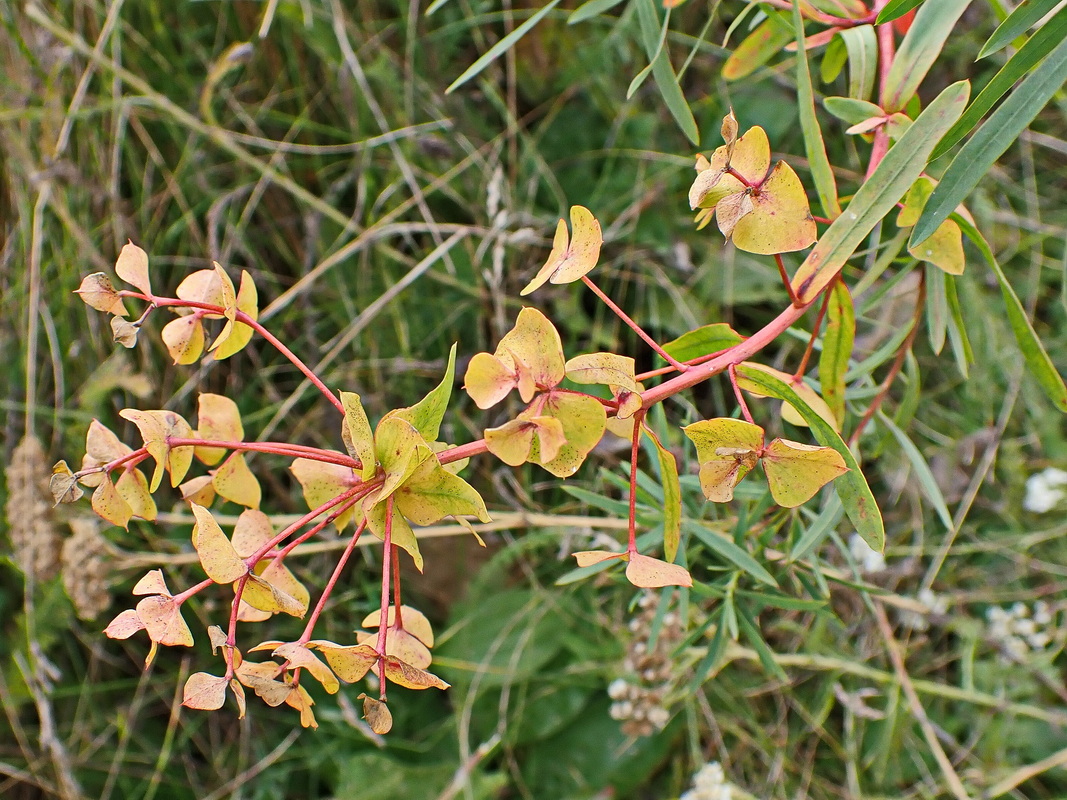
<point x="34" y="539"/>
<point x="85" y="568"/>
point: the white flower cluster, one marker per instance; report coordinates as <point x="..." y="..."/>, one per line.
<point x="1045" y="490"/>
<point x="1021" y="630"/>
<point x="639" y="697"/>
<point x="709" y="784"/>
<point x="869" y="559"/>
<point x="934" y="604"/>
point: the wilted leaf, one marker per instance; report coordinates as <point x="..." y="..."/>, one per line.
<point x="795" y="472"/>
<point x="401" y="644"/>
<point x="217" y="637"/>
<point x="63" y="484"/>
<point x="265" y="596"/>
<point x="651" y="573"/>
<point x="109" y="505"/>
<point x="235" y="482"/>
<point x="205" y="692"/>
<point x="132" y="267"/>
<point x="229" y="305"/>
<point x="124" y="625"/>
<point x="488" y="380"/>
<point x="299" y="655"/>
<point x="202" y="286"/>
<point x="377" y="714"/>
<point x="124" y="332"/>
<point x="571" y="258"/>
<point x="727" y="450"/>
<point x="587" y="558"/>
<point x="239" y="695"/>
<point x="608" y="369"/>
<point x="162" y="618"/>
<point x="299" y="699"/>
<point x="155" y="427"/>
<point x="281" y="578"/>
<point x="217" y="556"/>
<point x="218" y="419"/>
<point x="97" y="292"/>
<point x="404" y="674"/>
<point x="184" y="339"/>
<point x="414" y="621"/>
<point x="351" y="662"/>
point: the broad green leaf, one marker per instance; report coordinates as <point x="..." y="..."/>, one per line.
<point x="583" y="419"/>
<point x="132" y="267"/>
<point x="703" y="341"/>
<point x="590" y="9"/>
<point x="217" y="417"/>
<point x="1023" y="17"/>
<point x="651" y="573"/>
<point x="796" y="472"/>
<point x="991" y="140"/>
<point x="901" y="166"/>
<point x="426" y="415"/>
<point x="957" y="330"/>
<point x="834" y="59"/>
<point x="501" y="47"/>
<point x="672" y="497"/>
<point x="663" y="72"/>
<point x="1037" y="360"/>
<point x="217" y="556"/>
<point x="432" y="493"/>
<point x="571" y="256"/>
<point x="861" y="43"/>
<point x="726" y="549"/>
<point x="780" y="220"/>
<point x="814" y="147"/>
<point x="851" y="110"/>
<point x="1036" y="48"/>
<point x="235" y="482"/>
<point x="837" y="349"/>
<point x="768" y="40"/>
<point x="727" y="450"/>
<point x="236" y="334"/>
<point x="322" y="482"/>
<point x="608" y="369"/>
<point x="917" y="52"/>
<point x="851" y="487"/>
<point x="895" y="9"/>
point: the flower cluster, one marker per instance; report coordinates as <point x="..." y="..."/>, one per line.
<point x="1045" y="490"/>
<point x="709" y="783"/>
<point x="1021" y="629"/>
<point x="640" y="696"/>
<point x="934" y="604"/>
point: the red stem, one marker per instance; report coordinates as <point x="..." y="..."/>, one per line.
<point x="814" y="335"/>
<point x="740" y="397"/>
<point x="321" y="604"/>
<point x="678" y="365"/>
<point x="785" y="278"/>
<point x="274" y="448"/>
<point x="181" y="597"/>
<point x="383" y="619"/>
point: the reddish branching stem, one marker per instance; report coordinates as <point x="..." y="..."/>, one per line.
<point x="328" y="589"/>
<point x="635" y="448"/>
<point x="803" y="366"/>
<point x="678" y="365"/>
<point x="383" y="620"/>
<point x="740" y="397"/>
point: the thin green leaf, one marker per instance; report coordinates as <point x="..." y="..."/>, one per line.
<point x="641" y="76"/>
<point x="900" y="168"/>
<point x="501" y="47"/>
<point x="672" y="498"/>
<point x="895" y="9"/>
<point x="426" y="415"/>
<point x="861" y="43"/>
<point x="1036" y="48"/>
<point x="1038" y="361"/>
<point x="957" y="331"/>
<point x="814" y="147"/>
<point x="590" y="9"/>
<point x="921" y="46"/>
<point x="936" y="308"/>
<point x="726" y="549"/>
<point x="851" y="110"/>
<point x="663" y="72"/>
<point x="1025" y="15"/>
<point x="759" y="47"/>
<point x="995" y="136"/>
<point x="927" y="482"/>
<point x="819" y="529"/>
<point x="851" y="487"/>
<point x="755" y="638"/>
<point x="716" y="650"/>
<point x="837" y="348"/>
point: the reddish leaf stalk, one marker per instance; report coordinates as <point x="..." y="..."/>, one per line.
<point x="785" y="278"/>
<point x="803" y="367"/>
<point x="181" y="597"/>
<point x="235" y="609"/>
<point x="273" y="448"/>
<point x="383" y="619"/>
<point x="129" y="460"/>
<point x="304" y="520"/>
<point x="678" y="365"/>
<point x="338" y="511"/>
<point x="740" y="397"/>
<point x="328" y="589"/>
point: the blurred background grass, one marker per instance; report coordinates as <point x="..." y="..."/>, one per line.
<point x="384" y="220"/>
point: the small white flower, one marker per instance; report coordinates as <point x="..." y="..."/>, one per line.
<point x="618" y="689"/>
<point x="870" y="560"/>
<point x="1045" y="490"/>
<point x="659" y="716"/>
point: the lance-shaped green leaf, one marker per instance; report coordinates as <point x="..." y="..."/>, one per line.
<point x="529" y="357"/>
<point x="235" y="335"/>
<point x="768" y="40"/>
<point x="217" y="418"/>
<point x="795" y="471"/>
<point x="1034" y="353"/>
<point x="852" y="488"/>
<point x="608" y="369"/>
<point x="322" y="482"/>
<point x="217" y="556"/>
<point x="990" y="141"/>
<point x="945" y="248"/>
<point x="893" y="177"/>
<point x="861" y="43"/>
<point x="895" y="9"/>
<point x="837" y="349"/>
<point x="571" y="256"/>
<point x="808" y="394"/>
<point x="433" y="493"/>
<point x="583" y="419"/>
<point x="155" y="428"/>
<point x="1023" y="17"/>
<point x="703" y="341"/>
<point x="852" y="110"/>
<point x="426" y="415"/>
<point x="672" y="497"/>
<point x="513" y="441"/>
<point x="132" y="267"/>
<point x="727" y="450"/>
<point x="357" y="436"/>
<point x="921" y="46"/>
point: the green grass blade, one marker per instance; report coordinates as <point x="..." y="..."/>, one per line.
<point x="814" y="147"/>
<point x="957" y="331"/>
<point x="726" y="549"/>
<point x="1025" y="16"/>
<point x="501" y="47"/>
<point x="1036" y="48"/>
<point x="919" y="50"/>
<point x="1037" y="359"/>
<point x="819" y="529"/>
<point x="927" y="482"/>
<point x="663" y="72"/>
<point x="990" y="141"/>
<point x="852" y="488"/>
<point x="900" y="168"/>
<point x="895" y="9"/>
<point x="590" y="9"/>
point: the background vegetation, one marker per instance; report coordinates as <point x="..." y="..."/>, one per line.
<point x="384" y="219"/>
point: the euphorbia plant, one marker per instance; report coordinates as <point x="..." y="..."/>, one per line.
<point x="396" y="474"/>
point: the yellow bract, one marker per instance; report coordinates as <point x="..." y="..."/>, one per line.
<point x="571" y="258"/>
